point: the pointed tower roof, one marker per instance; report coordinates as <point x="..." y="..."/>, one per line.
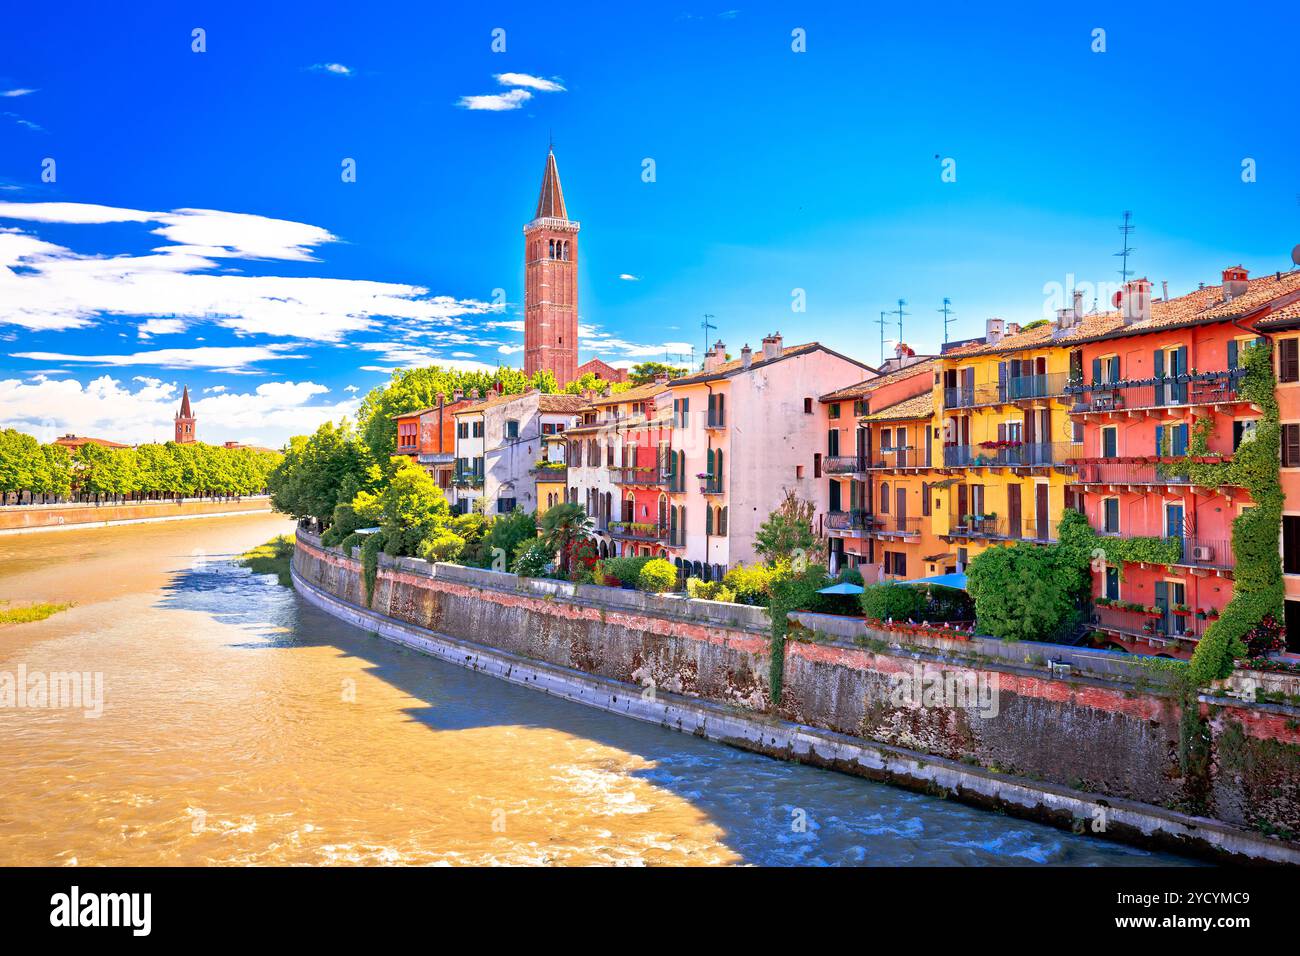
<point x="185" y="404"/>
<point x="550" y="204"/>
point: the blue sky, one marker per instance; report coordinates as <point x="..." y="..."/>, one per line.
<point x="775" y="171"/>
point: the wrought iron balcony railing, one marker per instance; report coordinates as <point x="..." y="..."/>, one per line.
<point x="1201" y="388"/>
<point x="632" y="475"/>
<point x="638" y="530"/>
<point x="855" y="520"/>
<point x="845" y="464"/>
<point x="1018" y="389"/>
<point x="1010" y="454"/>
<point x="467" y="479"/>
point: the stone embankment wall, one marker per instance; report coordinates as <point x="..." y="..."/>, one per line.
<point x="20" y="518"/>
<point x="1056" y="748"/>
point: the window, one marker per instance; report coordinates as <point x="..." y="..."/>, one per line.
<point x="478" y="429"/>
<point x="1288" y="360"/>
<point x="1076" y="432"/>
<point x="1291" y="446"/>
<point x="1110" y="515"/>
<point x="505" y="505"/>
<point x="798" y="471"/>
<point x="896" y="563"/>
<point x="833" y="442"/>
<point x="1110" y="442"/>
<point x="462" y="429"/>
<point x="834" y="409"/>
<point x="807" y="406"/>
<point x="708" y="519"/>
<point x="550" y="428"/>
<point x="1242" y="431"/>
<point x="925" y="498"/>
<point x="817" y="464"/>
<point x="511" y="430"/>
<point x="1112" y="583"/>
<point x="884" y="497"/>
<point x="1290" y="544"/>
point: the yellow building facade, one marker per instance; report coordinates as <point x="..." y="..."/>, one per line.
<point x="1007" y="442"/>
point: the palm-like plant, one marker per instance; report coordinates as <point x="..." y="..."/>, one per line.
<point x="562" y="526"/>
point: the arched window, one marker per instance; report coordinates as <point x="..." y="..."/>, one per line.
<point x="629" y="508"/>
<point x="663" y="511"/>
<point x="884" y="497"/>
<point x="722" y="520"/>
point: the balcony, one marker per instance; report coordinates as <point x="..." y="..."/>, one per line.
<point x="898" y="459"/>
<point x="1143" y="626"/>
<point x="467" y="479"/>
<point x="890" y="526"/>
<point x="1024" y="388"/>
<point x="1157" y="396"/>
<point x="1011" y="455"/>
<point x="993" y="528"/>
<point x="1203" y="556"/>
<point x="855" y="520"/>
<point x="647" y="476"/>
<point x="845" y="465"/>
<point x="550" y="471"/>
<point x="638" y="531"/>
<point x="1129" y="473"/>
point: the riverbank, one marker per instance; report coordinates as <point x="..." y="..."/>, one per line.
<point x="28" y="519"/>
<point x="702" y="670"/>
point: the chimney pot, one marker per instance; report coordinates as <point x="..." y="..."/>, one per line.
<point x="771" y="346"/>
<point x="1235" y="282"/>
<point x="993" y="329"/>
<point x="746" y="356"/>
<point x="715" y="357"/>
<point x="1135" y="301"/>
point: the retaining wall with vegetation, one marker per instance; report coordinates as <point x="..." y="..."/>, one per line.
<point x="1071" y="751"/>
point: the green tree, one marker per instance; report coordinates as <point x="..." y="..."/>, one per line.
<point x="56" y="472"/>
<point x="414" y="509"/>
<point x="314" y="470"/>
<point x="644" y="372"/>
<point x="787" y="534"/>
<point x="563" y="526"/>
<point x="20" y="462"/>
<point x="1024" y="592"/>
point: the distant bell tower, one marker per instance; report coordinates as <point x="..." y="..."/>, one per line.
<point x="551" y="283"/>
<point x="185" y="420"/>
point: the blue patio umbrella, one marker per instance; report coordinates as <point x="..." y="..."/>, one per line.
<point x="957" y="581"/>
<point x="844" y="587"/>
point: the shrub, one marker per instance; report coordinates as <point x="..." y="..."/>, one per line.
<point x="751" y="585"/>
<point x="1025" y="592"/>
<point x="350" y="543"/>
<point x="625" y="571"/>
<point x="710" y="591"/>
<point x="851" y="576"/>
<point x="948" y="604"/>
<point x="532" y="558"/>
<point x="374" y="543"/>
<point x="443" y="546"/>
<point x="657" y="576"/>
<point x="414" y="508"/>
<point x="897" y="602"/>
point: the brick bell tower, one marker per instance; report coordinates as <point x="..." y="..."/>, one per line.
<point x="185" y="420"/>
<point x="551" y="283"/>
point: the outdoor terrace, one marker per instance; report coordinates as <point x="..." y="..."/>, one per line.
<point x="1011" y="454"/>
<point x="1020" y="389"/>
<point x="1157" y="396"/>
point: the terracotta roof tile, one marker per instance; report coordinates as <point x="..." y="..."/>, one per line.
<point x="732" y="367"/>
<point x="869" y="385"/>
<point x="918" y="406"/>
<point x="638" y="393"/>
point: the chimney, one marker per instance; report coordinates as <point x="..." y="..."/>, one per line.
<point x="1234" y="283"/>
<point x="458" y="395"/>
<point x="1135" y="301"/>
<point x="771" y="346"/>
<point x="993" y="331"/>
<point x="1065" y="318"/>
<point x="473" y="393"/>
<point x="1013" y="328"/>
<point x="1164" y="290"/>
<point x="746" y="356"/>
<point x="662" y="378"/>
<point x="716" y="357"/>
<point x="1078" y="305"/>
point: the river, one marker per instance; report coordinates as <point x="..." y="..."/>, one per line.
<point x="242" y="726"/>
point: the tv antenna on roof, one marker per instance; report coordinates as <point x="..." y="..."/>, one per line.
<point x="883" y="320"/>
<point x="1127" y="228"/>
<point x="706" y="325"/>
<point x="947" y="311"/>
<point x="900" y="313"/>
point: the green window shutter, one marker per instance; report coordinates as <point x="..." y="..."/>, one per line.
<point x="708" y="520"/>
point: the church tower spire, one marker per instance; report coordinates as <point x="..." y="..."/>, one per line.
<point x="551" y="283"/>
<point x="185" y="420"/>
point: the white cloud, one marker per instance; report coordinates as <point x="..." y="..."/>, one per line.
<point x="105" y="408"/>
<point x="229" y="358"/>
<point x="62" y="289"/>
<point x="628" y="277"/>
<point x="214" y="389"/>
<point x="337" y="69"/>
<point x="350" y="388"/>
<point x="160" y="327"/>
<point x="17" y="92"/>
<point x="513" y="325"/>
<point x="24" y="122"/>
<point x="532" y="82"/>
<point x="496" y="102"/>
<point x="509" y="349"/>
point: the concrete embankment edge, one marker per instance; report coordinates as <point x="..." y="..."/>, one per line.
<point x="84" y="525"/>
<point x="1124" y="820"/>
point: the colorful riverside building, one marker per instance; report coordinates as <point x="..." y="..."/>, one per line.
<point x="1283" y="327"/>
<point x="1147" y="377"/>
<point x="428" y="436"/>
<point x="499" y="442"/>
<point x="745" y="432"/>
<point x="620" y="455"/>
<point x="877" y="444"/>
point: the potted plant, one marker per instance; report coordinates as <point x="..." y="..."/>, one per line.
<point x="1182" y="610"/>
<point x="1103" y="601"/>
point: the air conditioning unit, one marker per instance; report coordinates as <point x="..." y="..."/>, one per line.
<point x="1202" y="553"/>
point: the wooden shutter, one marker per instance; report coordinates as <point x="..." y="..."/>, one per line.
<point x="1291" y="446"/>
<point x="1288" y="360"/>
